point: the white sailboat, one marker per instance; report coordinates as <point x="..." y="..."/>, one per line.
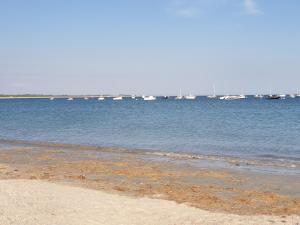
<point x="190" y="97"/>
<point x="86" y="98"/>
<point x="149" y="98"/>
<point x="214" y="94"/>
<point x="119" y="98"/>
<point x="179" y="97"/>
<point x="101" y="98"/>
<point x="51" y="99"/>
<point x="292" y="96"/>
<point x="282" y="96"/>
<point x="232" y="97"/>
<point x="70" y="99"/>
<point x="224" y="97"/>
<point x="258" y="96"/>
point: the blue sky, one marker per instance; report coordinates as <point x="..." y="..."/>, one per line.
<point x="149" y="47"/>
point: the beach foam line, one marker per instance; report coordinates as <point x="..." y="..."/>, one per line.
<point x="271" y="162"/>
<point x="36" y="202"/>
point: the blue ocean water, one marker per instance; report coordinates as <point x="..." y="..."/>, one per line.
<point x="243" y="128"/>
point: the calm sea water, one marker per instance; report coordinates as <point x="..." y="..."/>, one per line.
<point x="251" y="128"/>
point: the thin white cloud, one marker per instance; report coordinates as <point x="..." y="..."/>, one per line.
<point x="184" y="8"/>
<point x="251" y="7"/>
<point x="187" y="12"/>
<point x="194" y="8"/>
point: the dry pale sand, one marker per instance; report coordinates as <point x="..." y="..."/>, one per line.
<point x="29" y="202"/>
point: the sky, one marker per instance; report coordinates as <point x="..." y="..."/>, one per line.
<point x="151" y="47"/>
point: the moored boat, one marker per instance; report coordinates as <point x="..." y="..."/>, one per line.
<point x="118" y="98"/>
<point x="214" y="94"/>
<point x="179" y="97"/>
<point x="232" y="97"/>
<point x="258" y="96"/>
<point x="272" y="97"/>
<point x="292" y="96"/>
<point x="282" y="96"/>
<point x="190" y="97"/>
<point x="149" y="98"/>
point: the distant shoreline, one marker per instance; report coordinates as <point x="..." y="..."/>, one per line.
<point x="127" y="96"/>
<point x="50" y="96"/>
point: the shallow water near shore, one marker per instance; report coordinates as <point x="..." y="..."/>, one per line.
<point x="252" y="133"/>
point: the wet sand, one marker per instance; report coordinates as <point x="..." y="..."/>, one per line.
<point x="127" y="173"/>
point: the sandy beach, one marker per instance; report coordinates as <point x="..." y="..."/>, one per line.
<point x="67" y="184"/>
<point x="37" y="202"/>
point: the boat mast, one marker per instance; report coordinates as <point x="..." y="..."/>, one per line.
<point x="214" y="88"/>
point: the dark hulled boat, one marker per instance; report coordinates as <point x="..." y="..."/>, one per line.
<point x="273" y="97"/>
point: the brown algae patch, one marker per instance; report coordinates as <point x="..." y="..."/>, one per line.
<point x="129" y="174"/>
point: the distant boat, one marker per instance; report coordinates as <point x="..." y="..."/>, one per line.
<point x="282" y="96"/>
<point x="232" y="97"/>
<point x="273" y="97"/>
<point x="214" y="94"/>
<point x="228" y="97"/>
<point x="133" y="96"/>
<point x="118" y="98"/>
<point x="51" y="99"/>
<point x="101" y="98"/>
<point x="86" y="98"/>
<point x="70" y="99"/>
<point x="165" y="97"/>
<point x="292" y="96"/>
<point x="179" y="97"/>
<point x="190" y="97"/>
<point x="149" y="98"/>
<point x="258" y="96"/>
